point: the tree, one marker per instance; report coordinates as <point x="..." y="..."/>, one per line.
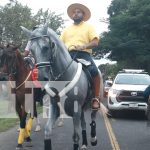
<point x="109" y="70"/>
<point x="128" y="37"/>
<point x="13" y="15"/>
<point x="55" y="21"/>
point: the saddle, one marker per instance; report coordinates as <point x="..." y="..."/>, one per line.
<point x="85" y="64"/>
<point x="90" y="92"/>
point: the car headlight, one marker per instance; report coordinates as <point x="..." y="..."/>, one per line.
<point x="114" y="92"/>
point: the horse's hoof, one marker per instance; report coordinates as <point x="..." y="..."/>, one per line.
<point x="60" y="123"/>
<point x="83" y="147"/>
<point x="19" y="147"/>
<point x="28" y="142"/>
<point x="76" y="147"/>
<point x="47" y="144"/>
<point x="38" y="128"/>
<point x="94" y="141"/>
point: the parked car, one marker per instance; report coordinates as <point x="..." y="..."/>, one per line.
<point x="127" y="90"/>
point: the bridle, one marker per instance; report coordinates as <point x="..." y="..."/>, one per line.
<point x="51" y="61"/>
<point x="42" y="64"/>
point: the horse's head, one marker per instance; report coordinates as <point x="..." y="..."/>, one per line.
<point x="7" y="61"/>
<point x="43" y="48"/>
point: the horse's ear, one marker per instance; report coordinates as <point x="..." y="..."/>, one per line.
<point x="45" y="27"/>
<point x="26" y="31"/>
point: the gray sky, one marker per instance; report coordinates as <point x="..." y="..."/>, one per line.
<point x="98" y="9"/>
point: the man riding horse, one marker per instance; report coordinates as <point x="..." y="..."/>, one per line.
<point x="80" y="38"/>
<point x="56" y="66"/>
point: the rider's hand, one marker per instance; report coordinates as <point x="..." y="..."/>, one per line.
<point x="80" y="47"/>
<point x="25" y="53"/>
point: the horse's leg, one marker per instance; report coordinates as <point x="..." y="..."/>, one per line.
<point x="37" y="95"/>
<point x="93" y="128"/>
<point x="38" y="124"/>
<point x="76" y="122"/>
<point x="84" y="136"/>
<point x="37" y="121"/>
<point x="62" y="112"/>
<point x="29" y="124"/>
<point x="48" y="130"/>
<point x="27" y="132"/>
<point x="53" y="113"/>
<point x="21" y="132"/>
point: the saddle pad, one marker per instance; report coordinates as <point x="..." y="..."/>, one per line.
<point x="84" y="62"/>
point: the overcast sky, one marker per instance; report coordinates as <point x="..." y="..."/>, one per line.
<point x="98" y="9"/>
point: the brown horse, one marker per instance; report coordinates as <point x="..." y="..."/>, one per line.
<point x="14" y="68"/>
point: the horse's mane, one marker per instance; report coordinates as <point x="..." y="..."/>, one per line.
<point x="56" y="39"/>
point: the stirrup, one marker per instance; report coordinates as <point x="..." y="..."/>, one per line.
<point x="98" y="101"/>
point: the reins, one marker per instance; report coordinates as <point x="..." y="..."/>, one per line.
<point x="22" y="82"/>
<point x="48" y="64"/>
<point x="61" y="74"/>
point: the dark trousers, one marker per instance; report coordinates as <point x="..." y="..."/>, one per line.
<point x="85" y="55"/>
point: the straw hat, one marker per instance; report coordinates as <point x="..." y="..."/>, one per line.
<point x="72" y="7"/>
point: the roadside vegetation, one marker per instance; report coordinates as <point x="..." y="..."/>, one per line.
<point x="128" y="37"/>
<point x="6" y="123"/>
<point x="14" y="14"/>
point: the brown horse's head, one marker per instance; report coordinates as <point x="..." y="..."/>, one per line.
<point x="8" y="61"/>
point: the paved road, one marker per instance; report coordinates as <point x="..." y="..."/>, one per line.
<point x="131" y="130"/>
<point x="126" y="132"/>
<point x="61" y="137"/>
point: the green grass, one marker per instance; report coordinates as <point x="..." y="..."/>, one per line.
<point x="7" y="123"/>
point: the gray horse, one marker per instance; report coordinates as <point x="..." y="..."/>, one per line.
<point x="55" y="64"/>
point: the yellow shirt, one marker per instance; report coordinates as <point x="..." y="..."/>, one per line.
<point x="80" y="34"/>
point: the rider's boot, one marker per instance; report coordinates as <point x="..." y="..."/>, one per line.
<point x="96" y="99"/>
